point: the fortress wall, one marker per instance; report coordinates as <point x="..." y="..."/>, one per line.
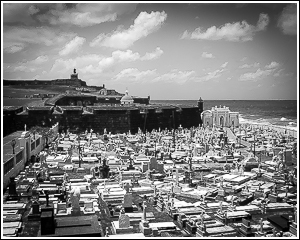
<point x="114" y="120"/>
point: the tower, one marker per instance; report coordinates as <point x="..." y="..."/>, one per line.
<point x="200" y="106"/>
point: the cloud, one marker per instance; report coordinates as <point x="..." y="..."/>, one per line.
<point x="154" y="55"/>
<point x="256" y="64"/>
<point x="175" y="76"/>
<point x="238" y="31"/>
<point x="272" y="65"/>
<point x="39" y="60"/>
<point x="207" y="55"/>
<point x="210" y="75"/>
<point x="72" y="46"/>
<point x="11" y="48"/>
<point x="96" y="64"/>
<point x="79" y="14"/>
<point x="144" y="24"/>
<point x="85" y="14"/>
<point x="28" y="66"/>
<point x="287" y="21"/>
<point x="224" y="65"/>
<point x="17" y="38"/>
<point x="134" y="75"/>
<point x="254" y="76"/>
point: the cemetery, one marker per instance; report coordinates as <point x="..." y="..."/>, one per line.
<point x="95" y="191"/>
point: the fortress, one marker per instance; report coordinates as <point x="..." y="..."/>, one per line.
<point x="103" y="109"/>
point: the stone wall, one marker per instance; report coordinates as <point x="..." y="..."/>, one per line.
<point x="113" y="119"/>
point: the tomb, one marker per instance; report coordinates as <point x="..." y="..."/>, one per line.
<point x="123" y="225"/>
<point x="246" y="229"/>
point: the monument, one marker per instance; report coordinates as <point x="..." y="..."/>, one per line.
<point x="127" y="201"/>
<point x="74" y="199"/>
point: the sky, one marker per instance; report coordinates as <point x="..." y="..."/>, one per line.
<point x="216" y="51"/>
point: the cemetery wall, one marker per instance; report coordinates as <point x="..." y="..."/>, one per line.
<point x="114" y="119"/>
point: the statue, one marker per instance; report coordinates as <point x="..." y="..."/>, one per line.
<point x="74" y="198"/>
<point x="74" y="70"/>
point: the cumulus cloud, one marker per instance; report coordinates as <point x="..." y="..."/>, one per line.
<point x="28" y="66"/>
<point x="153" y="55"/>
<point x="207" y="55"/>
<point x="287" y="21"/>
<point x="210" y="75"/>
<point x="224" y="65"/>
<point x="17" y="38"/>
<point x="134" y="75"/>
<point x="254" y="76"/>
<point x="272" y="65"/>
<point x="256" y="64"/>
<point x="79" y="14"/>
<point x="175" y="76"/>
<point x="13" y="48"/>
<point x="144" y="24"/>
<point x="72" y="46"/>
<point x="238" y="31"/>
<point x="95" y="64"/>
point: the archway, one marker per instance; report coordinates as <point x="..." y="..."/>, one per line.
<point x="222" y="121"/>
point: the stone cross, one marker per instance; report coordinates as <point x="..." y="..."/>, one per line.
<point x="202" y="217"/>
<point x="261" y="225"/>
<point x="127" y="187"/>
<point x="144" y="211"/>
<point x="221" y="206"/>
<point x="177" y="176"/>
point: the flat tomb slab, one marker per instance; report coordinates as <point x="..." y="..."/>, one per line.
<point x="84" y="226"/>
<point x="15" y="225"/>
<point x="140" y="215"/>
<point x="13" y="206"/>
<point x="117" y="230"/>
<point x="128" y="236"/>
<point x="162" y="225"/>
<point x="237" y="214"/>
<point x="221" y="229"/>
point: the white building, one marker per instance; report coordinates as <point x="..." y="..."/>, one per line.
<point x="220" y="117"/>
<point x="126" y="99"/>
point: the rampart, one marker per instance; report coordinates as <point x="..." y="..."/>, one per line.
<point x="114" y="118"/>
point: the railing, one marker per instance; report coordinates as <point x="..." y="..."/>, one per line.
<point x="19" y="157"/>
<point x="8" y="165"/>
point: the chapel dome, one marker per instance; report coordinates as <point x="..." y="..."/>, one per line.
<point x="126" y="98"/>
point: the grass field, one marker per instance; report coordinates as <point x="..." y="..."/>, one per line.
<point x="15" y="95"/>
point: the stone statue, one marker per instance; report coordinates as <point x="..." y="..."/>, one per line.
<point x="127" y="187"/>
<point x="74" y="198"/>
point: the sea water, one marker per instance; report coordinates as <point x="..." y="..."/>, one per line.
<point x="267" y="112"/>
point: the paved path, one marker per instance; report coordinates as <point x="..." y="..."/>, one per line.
<point x="230" y="134"/>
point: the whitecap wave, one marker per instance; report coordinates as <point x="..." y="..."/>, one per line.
<point x="283" y="119"/>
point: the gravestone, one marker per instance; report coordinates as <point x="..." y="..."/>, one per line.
<point x="74" y="198"/>
<point x="124" y="220"/>
<point x="127" y="202"/>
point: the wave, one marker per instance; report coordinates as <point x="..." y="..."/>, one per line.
<point x="265" y="122"/>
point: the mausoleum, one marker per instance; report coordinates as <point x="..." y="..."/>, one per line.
<point x="220" y="117"/>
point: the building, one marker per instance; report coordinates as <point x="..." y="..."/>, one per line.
<point x="126" y="99"/>
<point x="220" y="117"/>
<point x="18" y="149"/>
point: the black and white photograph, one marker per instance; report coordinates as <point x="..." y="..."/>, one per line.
<point x="149" y="119"/>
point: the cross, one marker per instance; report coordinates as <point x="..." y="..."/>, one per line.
<point x="144" y="211"/>
<point x="25" y="127"/>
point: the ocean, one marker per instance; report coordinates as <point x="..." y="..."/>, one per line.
<point x="276" y="112"/>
